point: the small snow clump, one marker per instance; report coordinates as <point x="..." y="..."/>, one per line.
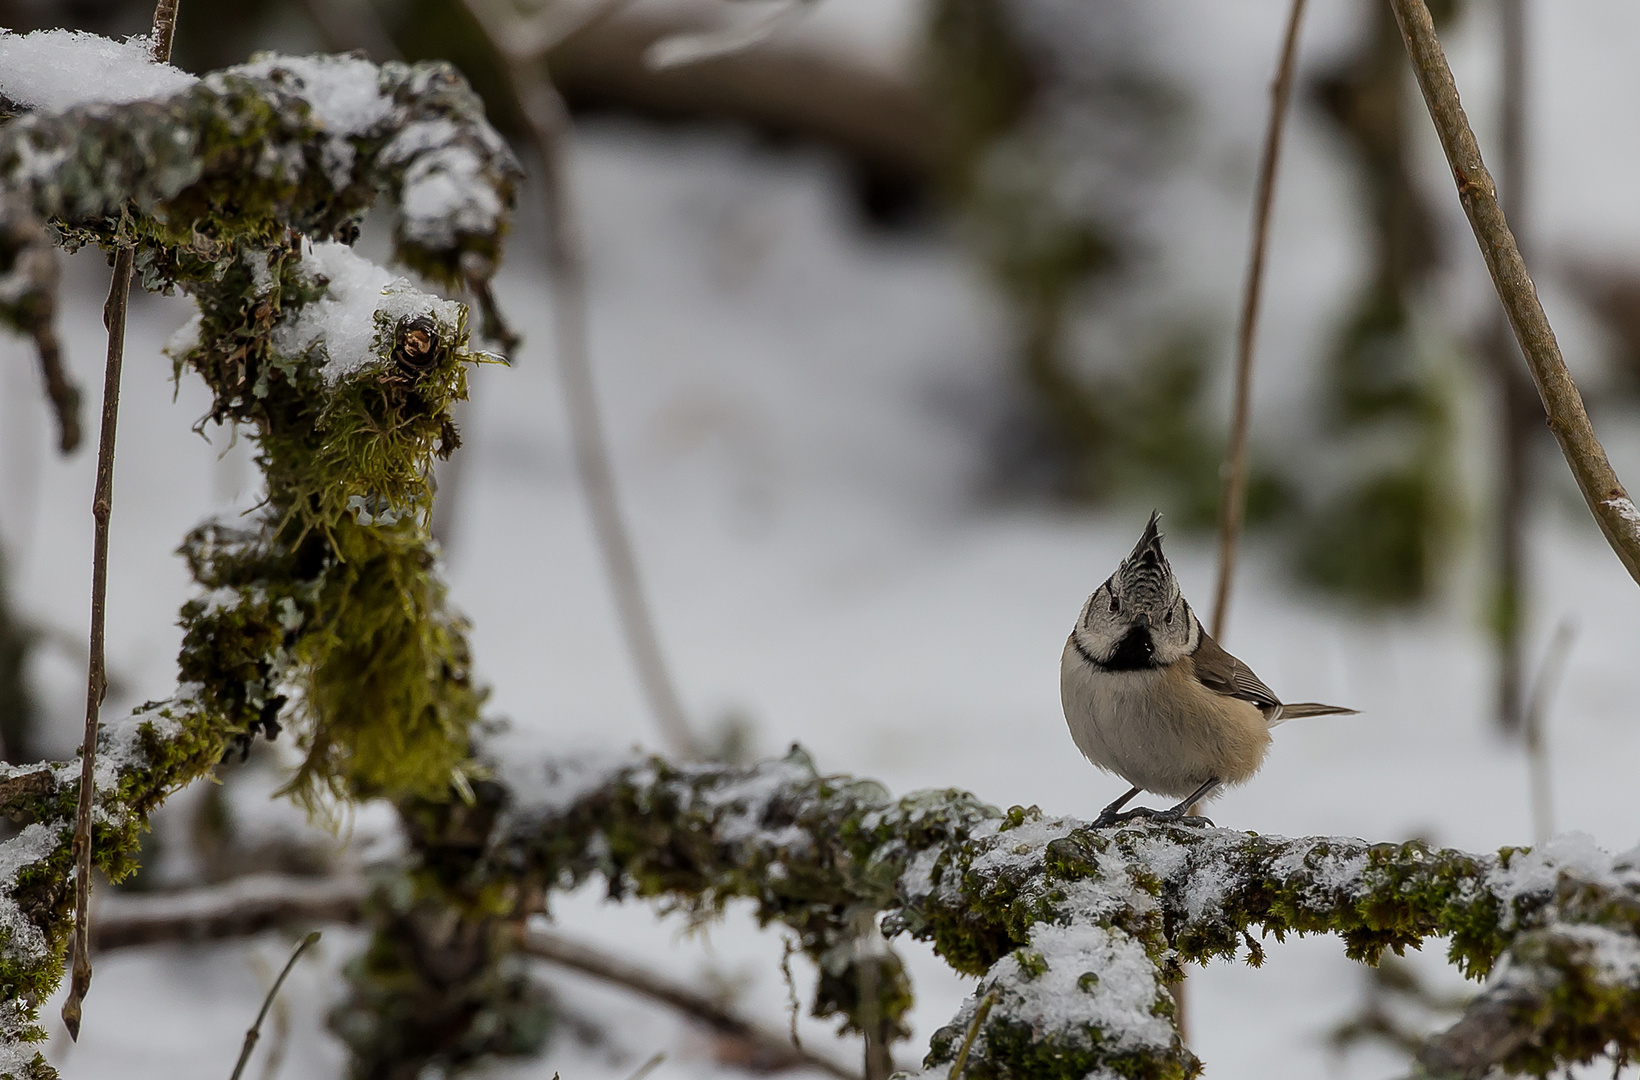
<point x="59" y="69"/>
<point x="342" y="322"/>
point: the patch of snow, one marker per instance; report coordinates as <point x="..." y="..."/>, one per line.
<point x="1614" y="955"/>
<point x="917" y="881"/>
<point x="343" y="91"/>
<point x="550" y="788"/>
<point x="1331" y="871"/>
<point x="20" y="940"/>
<point x="1536" y="872"/>
<point x="1093" y="975"/>
<point x="341" y="324"/>
<point x="1625" y="509"/>
<point x="15" y="1055"/>
<point x="445" y="195"/>
<point x="186" y="338"/>
<point x="1021" y="848"/>
<point x="59" y="69"/>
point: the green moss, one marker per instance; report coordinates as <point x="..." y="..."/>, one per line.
<point x="240" y="159"/>
<point x="811" y="851"/>
<point x="326" y="614"/>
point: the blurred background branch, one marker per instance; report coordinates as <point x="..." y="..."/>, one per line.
<point x="1613" y="511"/>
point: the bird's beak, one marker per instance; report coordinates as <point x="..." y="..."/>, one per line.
<point x="1143" y="619"/>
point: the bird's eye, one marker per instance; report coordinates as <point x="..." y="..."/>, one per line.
<point x="1168" y="618"/>
<point x="1115" y="605"/>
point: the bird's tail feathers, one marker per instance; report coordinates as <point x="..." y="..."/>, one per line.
<point x="1298" y="710"/>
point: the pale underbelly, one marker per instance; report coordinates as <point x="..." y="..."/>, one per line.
<point x="1159" y="729"/>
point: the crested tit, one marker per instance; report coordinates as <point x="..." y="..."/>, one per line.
<point x="1152" y="698"/>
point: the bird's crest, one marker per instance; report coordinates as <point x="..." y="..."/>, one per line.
<point x="1146" y="573"/>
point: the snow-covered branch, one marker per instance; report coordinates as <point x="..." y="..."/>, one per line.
<point x="304" y="143"/>
<point x="1075" y="930"/>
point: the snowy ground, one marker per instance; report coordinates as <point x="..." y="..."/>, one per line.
<point x="792" y="405"/>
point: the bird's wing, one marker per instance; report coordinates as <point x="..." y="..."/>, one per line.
<point x="1224" y="674"/>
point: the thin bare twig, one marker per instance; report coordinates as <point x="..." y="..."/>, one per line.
<point x="1535" y="729"/>
<point x="102" y="505"/>
<point x="694" y="48"/>
<point x="980" y="1013"/>
<point x="65" y="396"/>
<point x="96" y="673"/>
<point x="165" y="29"/>
<point x="1233" y="496"/>
<point x="255" y="1031"/>
<point x="1607" y="499"/>
<point x="1518" y="416"/>
<point x="774" y="1045"/>
<point x="649" y="1066"/>
<point x="34" y="279"/>
<point x="548" y="122"/>
<point x="1233" y="502"/>
<point x="240" y="908"/>
<point x="256" y="904"/>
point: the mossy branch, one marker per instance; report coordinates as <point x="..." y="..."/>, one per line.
<point x="1075" y="930"/>
<point x="325" y="614"/>
<point x="252" y="152"/>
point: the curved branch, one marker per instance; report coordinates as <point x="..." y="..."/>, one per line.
<point x="1616" y="514"/>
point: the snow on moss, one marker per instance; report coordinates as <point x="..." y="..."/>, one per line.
<point x="344" y="92"/>
<point x="1529" y="876"/>
<point x="21" y="942"/>
<point x="59" y="69"/>
<point x="444" y="196"/>
<point x="1083" y="982"/>
<point x="348" y="327"/>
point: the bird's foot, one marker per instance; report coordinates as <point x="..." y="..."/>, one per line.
<point x="1173" y="816"/>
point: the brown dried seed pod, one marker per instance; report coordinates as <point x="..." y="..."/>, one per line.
<point x="415" y="343"/>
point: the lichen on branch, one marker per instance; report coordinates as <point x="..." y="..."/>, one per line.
<point x="1078" y="930"/>
<point x="324" y="614"/>
<point x="282" y="143"/>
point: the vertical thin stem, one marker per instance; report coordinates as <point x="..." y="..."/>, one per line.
<point x="96" y="675"/>
<point x="1535" y="733"/>
<point x="1233" y="499"/>
<point x="1608" y="501"/>
<point x="165" y="29"/>
<point x="255" y="1031"/>
<point x="102" y="506"/>
<point x="548" y="122"/>
<point x="980" y="1013"/>
<point x="1233" y="503"/>
<point x="1517" y="424"/>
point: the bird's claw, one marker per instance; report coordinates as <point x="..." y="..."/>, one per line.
<point x="1173" y="816"/>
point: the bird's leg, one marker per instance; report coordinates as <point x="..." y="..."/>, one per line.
<point x="1177" y="813"/>
<point x="1109" y="816"/>
<point x="1171" y="815"/>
